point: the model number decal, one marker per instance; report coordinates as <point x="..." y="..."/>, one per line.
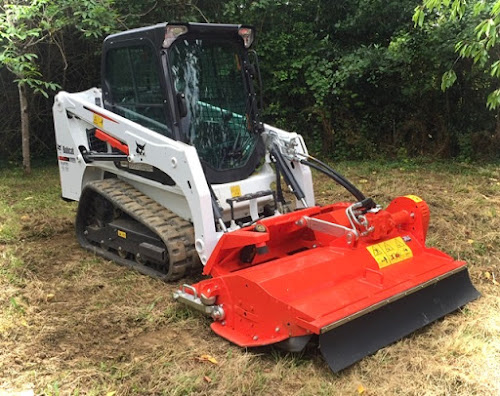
<point x="390" y="252"/>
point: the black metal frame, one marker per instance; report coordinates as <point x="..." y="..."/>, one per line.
<point x="137" y="37"/>
<point x="153" y="36"/>
<point x="248" y="197"/>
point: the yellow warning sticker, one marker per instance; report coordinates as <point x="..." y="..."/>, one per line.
<point x="235" y="191"/>
<point x="390" y="252"/>
<point x="414" y="198"/>
<point x="98" y="120"/>
<point x="122" y="234"/>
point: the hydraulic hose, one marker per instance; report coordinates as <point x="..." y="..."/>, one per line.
<point x="323" y="168"/>
<point x="287" y="174"/>
<point x="279" y="190"/>
<point x="217" y="210"/>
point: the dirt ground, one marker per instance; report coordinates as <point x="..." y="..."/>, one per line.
<point x="72" y="323"/>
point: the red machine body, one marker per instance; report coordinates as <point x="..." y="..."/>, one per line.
<point x="281" y="279"/>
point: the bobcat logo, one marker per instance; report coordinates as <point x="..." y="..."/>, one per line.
<point x="140" y="148"/>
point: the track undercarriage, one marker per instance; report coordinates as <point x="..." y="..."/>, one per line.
<point x="118" y="222"/>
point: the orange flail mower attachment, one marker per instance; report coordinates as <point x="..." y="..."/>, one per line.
<point x="311" y="272"/>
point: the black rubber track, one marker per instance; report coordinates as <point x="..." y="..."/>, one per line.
<point x="176" y="233"/>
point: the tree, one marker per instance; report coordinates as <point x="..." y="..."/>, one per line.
<point x="25" y="26"/>
<point x="480" y="43"/>
<point x="356" y="78"/>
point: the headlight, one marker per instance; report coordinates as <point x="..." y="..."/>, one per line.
<point x="247" y="34"/>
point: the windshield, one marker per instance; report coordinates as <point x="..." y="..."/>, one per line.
<point x="210" y="75"/>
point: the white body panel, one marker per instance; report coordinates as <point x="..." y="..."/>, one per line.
<point x="190" y="197"/>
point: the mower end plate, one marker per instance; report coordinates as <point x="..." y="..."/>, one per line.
<point x="346" y="344"/>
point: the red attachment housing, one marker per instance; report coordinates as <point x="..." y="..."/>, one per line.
<point x="308" y="281"/>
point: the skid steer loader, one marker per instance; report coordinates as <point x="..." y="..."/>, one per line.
<point x="175" y="173"/>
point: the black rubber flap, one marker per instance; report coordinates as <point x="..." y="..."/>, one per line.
<point x="363" y="336"/>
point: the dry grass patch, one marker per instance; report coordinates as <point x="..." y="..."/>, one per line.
<point x="74" y="324"/>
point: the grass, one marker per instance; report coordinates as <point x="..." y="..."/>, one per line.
<point x="74" y="324"/>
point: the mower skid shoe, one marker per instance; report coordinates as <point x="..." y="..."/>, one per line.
<point x="294" y="344"/>
<point x="350" y="342"/>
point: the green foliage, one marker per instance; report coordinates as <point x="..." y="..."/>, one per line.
<point x="478" y="44"/>
<point x="358" y="79"/>
<point x="25" y="25"/>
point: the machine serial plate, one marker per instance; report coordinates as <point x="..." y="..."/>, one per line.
<point x="390" y="252"/>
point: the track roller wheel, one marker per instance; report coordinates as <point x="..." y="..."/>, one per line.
<point x="122" y="253"/>
<point x="140" y="260"/>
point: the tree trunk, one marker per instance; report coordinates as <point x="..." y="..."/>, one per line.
<point x="328" y="132"/>
<point x="25" y="127"/>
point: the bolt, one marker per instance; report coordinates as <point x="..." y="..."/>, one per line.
<point x="259" y="228"/>
<point x="223" y="323"/>
<point x="348" y="238"/>
<point x="315" y="246"/>
<point x="255" y="338"/>
<point x="277" y="329"/>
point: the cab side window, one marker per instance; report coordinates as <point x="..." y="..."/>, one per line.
<point x="133" y="76"/>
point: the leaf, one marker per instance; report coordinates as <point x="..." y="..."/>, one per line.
<point x="495" y="10"/>
<point x="448" y="80"/>
<point x="361" y="389"/>
<point x="470" y="241"/>
<point x="478" y="7"/>
<point x="418" y="16"/>
<point x="112" y="393"/>
<point x="207" y="379"/>
<point x="493" y="100"/>
<point x="495" y="69"/>
<point x="207" y="358"/>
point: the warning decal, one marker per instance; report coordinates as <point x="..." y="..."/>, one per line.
<point x="390" y="252"/>
<point x="98" y="120"/>
<point x="414" y="198"/>
<point x="235" y="191"/>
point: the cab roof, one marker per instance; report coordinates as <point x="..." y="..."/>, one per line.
<point x="156" y="33"/>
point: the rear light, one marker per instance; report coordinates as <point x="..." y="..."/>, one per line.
<point x="172" y="32"/>
<point x="247" y="34"/>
